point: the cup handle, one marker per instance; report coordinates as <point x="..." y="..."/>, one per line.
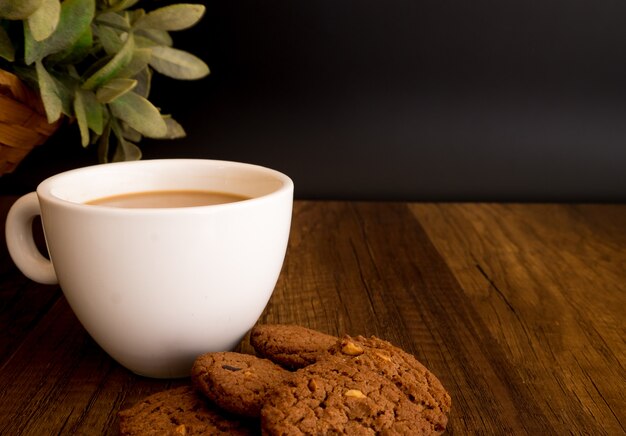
<point x="21" y="244"/>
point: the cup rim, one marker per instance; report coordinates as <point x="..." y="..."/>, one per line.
<point x="45" y="189"/>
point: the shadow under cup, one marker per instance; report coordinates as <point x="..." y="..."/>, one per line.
<point x="156" y="287"/>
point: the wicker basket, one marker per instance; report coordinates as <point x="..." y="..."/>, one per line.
<point x="23" y="123"/>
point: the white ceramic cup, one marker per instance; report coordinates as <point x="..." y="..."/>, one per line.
<point x="157" y="287"/>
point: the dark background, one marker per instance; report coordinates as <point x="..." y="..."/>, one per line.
<point x="505" y="100"/>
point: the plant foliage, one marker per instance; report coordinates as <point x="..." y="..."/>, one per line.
<point x="93" y="60"/>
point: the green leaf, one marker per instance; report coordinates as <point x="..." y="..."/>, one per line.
<point x="135" y="15"/>
<point x="126" y="150"/>
<point x="173" y="17"/>
<point x="66" y="88"/>
<point x="81" y="116"/>
<point x="158" y="37"/>
<point x="45" y="19"/>
<point x="7" y="51"/>
<point x="112" y="68"/>
<point x="49" y="94"/>
<point x="178" y="64"/>
<point x="94" y="111"/>
<point x="144" y="82"/>
<point x="75" y="18"/>
<point x="114" y="21"/>
<point x="89" y="114"/>
<point x="103" y="144"/>
<point x="114" y="89"/>
<point x="77" y="52"/>
<point x="140" y="114"/>
<point x="123" y="4"/>
<point x="139" y="62"/>
<point x="130" y="134"/>
<point x="144" y="42"/>
<point x="18" y="9"/>
<point x="174" y="129"/>
<point x="109" y="38"/>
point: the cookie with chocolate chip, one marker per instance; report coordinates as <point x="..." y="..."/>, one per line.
<point x="291" y="346"/>
<point x="180" y="411"/>
<point x="335" y="397"/>
<point x="237" y="382"/>
<point x="419" y="385"/>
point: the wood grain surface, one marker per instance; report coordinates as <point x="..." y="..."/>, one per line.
<point x="519" y="309"/>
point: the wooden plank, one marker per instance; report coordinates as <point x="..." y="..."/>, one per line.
<point x="519" y="309"/>
<point x="549" y="282"/>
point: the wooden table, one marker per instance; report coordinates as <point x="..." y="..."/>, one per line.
<point x="519" y="309"/>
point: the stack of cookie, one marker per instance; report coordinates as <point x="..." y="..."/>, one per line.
<point x="300" y="382"/>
